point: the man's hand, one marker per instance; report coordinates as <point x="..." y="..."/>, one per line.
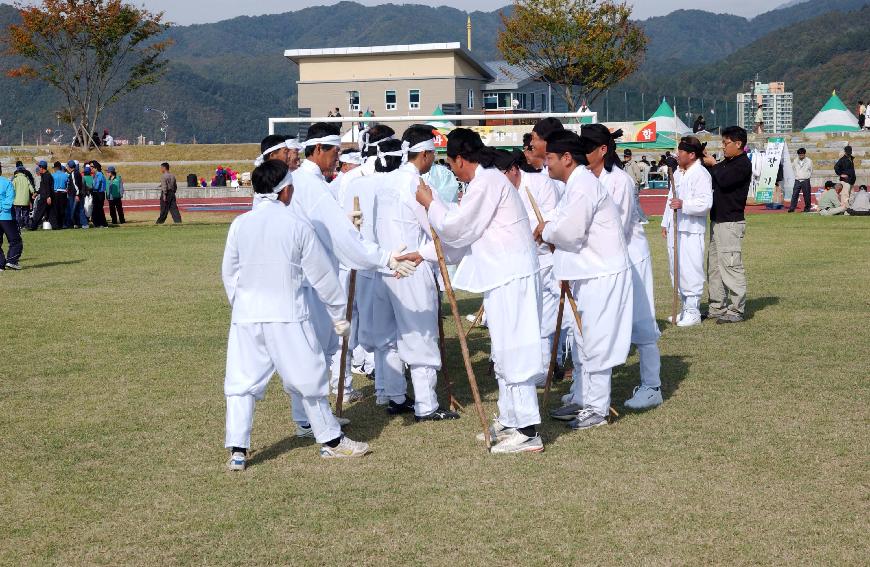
<point x="539" y="232"/>
<point x="414" y="257"/>
<point x="355" y="218"/>
<point x="709" y="160"/>
<point x="664" y="232"/>
<point x="342" y="328"/>
<point x="424" y="195"/>
<point x="676" y="204"/>
<point x="401" y="266"/>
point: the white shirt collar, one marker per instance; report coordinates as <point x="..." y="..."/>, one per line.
<point x="311" y="167"/>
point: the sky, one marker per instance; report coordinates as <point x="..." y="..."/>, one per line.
<point x="203" y="11"/>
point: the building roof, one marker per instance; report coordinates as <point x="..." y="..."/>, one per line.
<point x="296" y="55"/>
<point x="507" y="76"/>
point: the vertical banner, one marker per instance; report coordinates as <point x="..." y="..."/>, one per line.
<point x="775" y="153"/>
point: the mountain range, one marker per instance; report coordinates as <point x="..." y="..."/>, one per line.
<point x="226" y="78"/>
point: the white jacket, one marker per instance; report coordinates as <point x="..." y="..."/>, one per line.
<point x="803" y="168"/>
<point x="546" y="195"/>
<point x="399" y="220"/>
<point x="492" y="222"/>
<point x="695" y="188"/>
<point x="270" y="251"/>
<point x="313" y="199"/>
<point x="620" y="186"/>
<point x="586" y="231"/>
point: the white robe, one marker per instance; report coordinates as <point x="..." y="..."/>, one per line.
<point x="501" y="262"/>
<point x="270" y="251"/>
<point x="592" y="254"/>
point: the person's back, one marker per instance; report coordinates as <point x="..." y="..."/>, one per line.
<point x="23" y="189"/>
<point x="61" y="179"/>
<point x="859" y="202"/>
<point x="829" y="200"/>
<point x="7" y="198"/>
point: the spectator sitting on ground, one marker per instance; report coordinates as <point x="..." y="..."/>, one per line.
<point x="829" y="202"/>
<point x="202" y="182"/>
<point x="859" y="203"/>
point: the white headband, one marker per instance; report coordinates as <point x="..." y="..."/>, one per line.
<point x="365" y="144"/>
<point x="397" y="153"/>
<point x="424" y="146"/>
<point x="324" y="141"/>
<point x="262" y="158"/>
<point x="351" y="157"/>
<point x="286" y="182"/>
<point x="293" y="144"/>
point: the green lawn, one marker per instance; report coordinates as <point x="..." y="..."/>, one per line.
<point x="112" y="415"/>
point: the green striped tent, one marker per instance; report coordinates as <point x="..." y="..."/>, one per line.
<point x="833" y="117"/>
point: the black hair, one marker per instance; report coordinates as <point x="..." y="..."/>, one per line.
<point x="19" y="163"/>
<point x="547" y="126"/>
<point x="503" y="160"/>
<point x="57" y="165"/>
<point x="802" y="150"/>
<point x="271" y="141"/>
<point x="523" y="163"/>
<point x="527" y="140"/>
<point x="847" y="150"/>
<point x="415" y="134"/>
<point x="735" y="134"/>
<point x="597" y="135"/>
<point x="163" y="165"/>
<point x="465" y="143"/>
<point x="267" y="176"/>
<point x="392" y="162"/>
<point x="570" y="140"/>
<point x="375" y="134"/>
<point x="98" y="166"/>
<point x="320" y="130"/>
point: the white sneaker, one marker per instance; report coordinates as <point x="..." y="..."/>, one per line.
<point x="689" y="319"/>
<point x="236" y="462"/>
<point x="644" y="397"/>
<point x="304" y="432"/>
<point x="679" y="318"/>
<point x="496" y="431"/>
<point x="346" y="449"/>
<point x="471" y="318"/>
<point x="516" y="442"/>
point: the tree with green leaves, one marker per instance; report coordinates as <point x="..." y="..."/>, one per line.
<point x="93" y="51"/>
<point x="578" y="47"/>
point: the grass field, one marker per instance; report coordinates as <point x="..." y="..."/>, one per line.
<point x="113" y="415"/>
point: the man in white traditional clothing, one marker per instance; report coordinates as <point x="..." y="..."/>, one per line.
<point x="591" y="254"/>
<point x="604" y="163"/>
<point x="339" y="236"/>
<point x="282" y="148"/>
<point x="532" y="183"/>
<point x="412" y="311"/>
<point x="349" y="159"/>
<point x="269" y="252"/>
<point x="499" y="261"/>
<point x="693" y="199"/>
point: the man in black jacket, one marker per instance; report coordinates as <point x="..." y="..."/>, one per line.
<point x="726" y="278"/>
<point x="46" y="190"/>
<point x="845" y="170"/>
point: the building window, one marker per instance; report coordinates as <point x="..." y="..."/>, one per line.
<point x="490" y="101"/>
<point x="532" y="101"/>
<point x="469" y="103"/>
<point x="543" y="105"/>
<point x="390" y="99"/>
<point x="413" y="99"/>
<point x="353" y="100"/>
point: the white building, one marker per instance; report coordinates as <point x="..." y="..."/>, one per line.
<point x="776" y="107"/>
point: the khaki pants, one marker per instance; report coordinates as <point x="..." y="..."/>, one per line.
<point x="832" y="212"/>
<point x="726" y="278"/>
<point x="845" y="194"/>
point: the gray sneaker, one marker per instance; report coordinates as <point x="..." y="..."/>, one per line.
<point x="516" y="442"/>
<point x="729" y="318"/>
<point x="587" y="419"/>
<point x="567" y="412"/>
<point x="497" y="431"/>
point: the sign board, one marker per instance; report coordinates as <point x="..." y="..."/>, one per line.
<point x="766" y="169"/>
<point x="511" y="135"/>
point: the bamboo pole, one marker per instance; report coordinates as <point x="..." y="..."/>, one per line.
<point x="452" y="402"/>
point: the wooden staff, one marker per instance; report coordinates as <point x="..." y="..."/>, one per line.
<point x="466" y="357"/>
<point x="476" y="321"/>
<point x="442" y="347"/>
<point x="676" y="303"/>
<point x="554" y="353"/>
<point x="348" y="314"/>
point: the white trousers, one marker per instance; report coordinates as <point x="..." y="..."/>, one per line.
<point x="644" y="329"/>
<point x="413" y="303"/>
<point x="692" y="275"/>
<point x="254" y="352"/>
<point x="606" y="307"/>
<point x="514" y="318"/>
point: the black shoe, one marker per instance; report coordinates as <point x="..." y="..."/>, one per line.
<point x="405" y="407"/>
<point x="790" y="211"/>
<point x="558" y="374"/>
<point x="438" y="415"/>
<point x="729" y="318"/>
